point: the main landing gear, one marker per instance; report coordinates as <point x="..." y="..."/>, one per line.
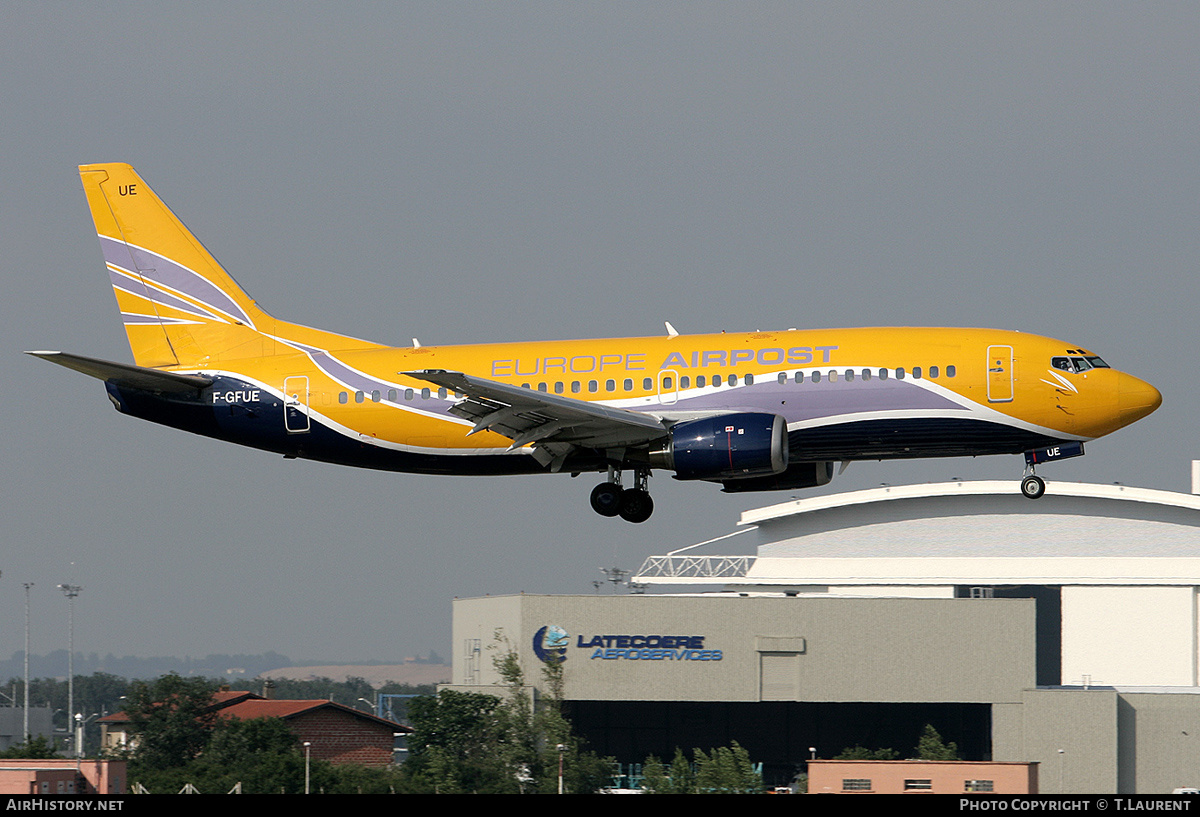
<point x="631" y="504"/>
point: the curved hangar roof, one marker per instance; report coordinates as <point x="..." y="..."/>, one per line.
<point x="965" y="532"/>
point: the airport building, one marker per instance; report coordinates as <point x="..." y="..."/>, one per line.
<point x="1063" y="632"/>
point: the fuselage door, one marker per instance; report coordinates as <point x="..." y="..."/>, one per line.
<point x="668" y="387"/>
<point x="1000" y="374"/>
<point x="295" y="404"/>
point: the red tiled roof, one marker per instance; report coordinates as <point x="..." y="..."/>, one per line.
<point x="246" y="705"/>
<point x="262" y="708"/>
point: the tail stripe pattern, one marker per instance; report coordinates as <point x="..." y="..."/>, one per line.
<point x="168" y="276"/>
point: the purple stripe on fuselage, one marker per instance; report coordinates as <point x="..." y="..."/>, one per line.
<point x="358" y="381"/>
<point x="799" y="402"/>
<point x="170" y="274"/>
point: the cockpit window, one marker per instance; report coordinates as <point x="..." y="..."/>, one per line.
<point x="1078" y="364"/>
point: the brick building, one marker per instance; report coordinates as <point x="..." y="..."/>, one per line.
<point x="62" y="776"/>
<point x="921" y="777"/>
<point x="337" y="733"/>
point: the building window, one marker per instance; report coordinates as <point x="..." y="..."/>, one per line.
<point x="918" y="784"/>
<point x="978" y="785"/>
<point x="856" y="784"/>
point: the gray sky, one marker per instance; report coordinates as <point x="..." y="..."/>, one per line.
<point x="464" y="172"/>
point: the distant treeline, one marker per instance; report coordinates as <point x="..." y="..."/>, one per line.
<point x="228" y="668"/>
<point x="101" y="693"/>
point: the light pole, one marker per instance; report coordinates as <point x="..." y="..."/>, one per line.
<point x="81" y="722"/>
<point x="25" y="726"/>
<point x="71" y="591"/>
<point x="307" y="760"/>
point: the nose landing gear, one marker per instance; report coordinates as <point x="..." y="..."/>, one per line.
<point x="1033" y="486"/>
<point x="631" y="504"/>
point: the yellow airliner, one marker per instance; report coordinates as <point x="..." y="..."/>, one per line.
<point x="753" y="411"/>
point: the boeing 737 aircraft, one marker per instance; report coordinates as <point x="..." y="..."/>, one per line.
<point x="755" y="411"/>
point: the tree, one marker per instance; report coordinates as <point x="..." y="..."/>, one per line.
<point x="727" y="770"/>
<point x="541" y="736"/>
<point x="470" y="742"/>
<point x="931" y="747"/>
<point x="39" y="748"/>
<point x="654" y="777"/>
<point x="454" y="746"/>
<point x="171" y="719"/>
<point x="863" y="753"/>
<point x="676" y="779"/>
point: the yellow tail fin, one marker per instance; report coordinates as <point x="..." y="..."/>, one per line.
<point x="179" y="306"/>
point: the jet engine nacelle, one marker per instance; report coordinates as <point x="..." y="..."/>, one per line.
<point x="726" y="447"/>
<point x="797" y="475"/>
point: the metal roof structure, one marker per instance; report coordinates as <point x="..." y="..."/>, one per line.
<point x="955" y="533"/>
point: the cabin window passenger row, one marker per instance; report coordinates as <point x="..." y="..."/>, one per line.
<point x="849" y="375"/>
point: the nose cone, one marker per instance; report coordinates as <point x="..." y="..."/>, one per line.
<point x="1136" y="398"/>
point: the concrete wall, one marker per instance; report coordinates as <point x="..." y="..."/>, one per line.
<point x="1129" y="635"/>
<point x="1159" y="746"/>
<point x="1083" y="725"/>
<point x="811" y="649"/>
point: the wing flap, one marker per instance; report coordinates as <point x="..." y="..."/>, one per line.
<point x="551" y="423"/>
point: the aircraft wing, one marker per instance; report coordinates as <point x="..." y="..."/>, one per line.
<point x="553" y="424"/>
<point x="137" y="377"/>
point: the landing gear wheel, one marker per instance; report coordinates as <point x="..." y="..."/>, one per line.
<point x="606" y="499"/>
<point x="1033" y="486"/>
<point x="636" y="505"/>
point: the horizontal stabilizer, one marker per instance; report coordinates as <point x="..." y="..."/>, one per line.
<point x="122" y="374"/>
